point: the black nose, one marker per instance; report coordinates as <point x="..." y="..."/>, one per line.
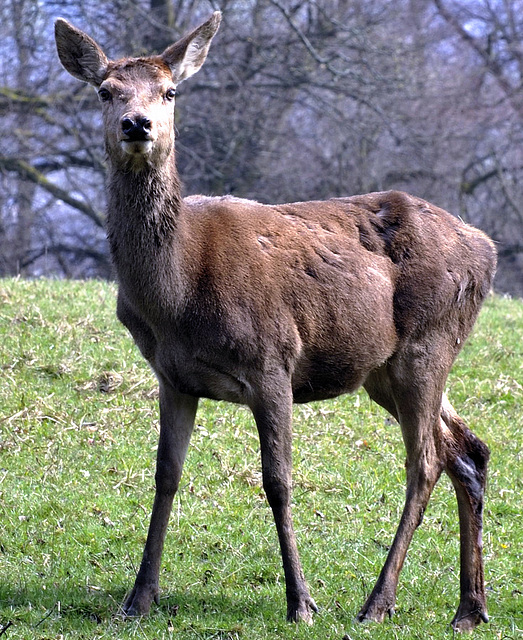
<point x="136" y="127"/>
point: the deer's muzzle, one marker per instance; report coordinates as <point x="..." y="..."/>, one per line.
<point x="136" y="128"/>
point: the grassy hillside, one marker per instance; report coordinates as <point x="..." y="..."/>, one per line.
<point x="78" y="430"/>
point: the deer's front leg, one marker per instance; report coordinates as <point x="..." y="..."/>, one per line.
<point x="273" y="418"/>
<point x="177" y="413"/>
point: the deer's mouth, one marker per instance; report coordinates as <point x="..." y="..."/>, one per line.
<point x="133" y="146"/>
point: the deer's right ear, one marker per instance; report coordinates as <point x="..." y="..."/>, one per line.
<point x="79" y="54"/>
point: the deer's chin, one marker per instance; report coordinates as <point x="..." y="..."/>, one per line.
<point x="137" y="147"/>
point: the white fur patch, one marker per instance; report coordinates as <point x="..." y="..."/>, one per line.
<point x="137" y="147"/>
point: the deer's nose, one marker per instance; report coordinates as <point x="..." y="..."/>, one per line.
<point x="136" y="127"/>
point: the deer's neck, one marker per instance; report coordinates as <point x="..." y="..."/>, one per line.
<point x="144" y="210"/>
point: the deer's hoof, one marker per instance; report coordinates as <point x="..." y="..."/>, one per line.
<point x="375" y="611"/>
<point x="468" y="618"/>
<point x="138" y="602"/>
<point x="302" y="611"/>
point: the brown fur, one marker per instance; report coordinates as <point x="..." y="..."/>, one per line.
<point x="269" y="304"/>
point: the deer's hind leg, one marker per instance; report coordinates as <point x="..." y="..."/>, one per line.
<point x="436" y="438"/>
<point x="406" y="389"/>
<point x="467" y="458"/>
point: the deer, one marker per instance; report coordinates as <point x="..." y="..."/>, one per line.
<point x="270" y="305"/>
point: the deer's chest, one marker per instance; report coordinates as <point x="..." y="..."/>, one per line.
<point x="197" y="357"/>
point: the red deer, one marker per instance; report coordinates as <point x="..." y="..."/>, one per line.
<point x="267" y="305"/>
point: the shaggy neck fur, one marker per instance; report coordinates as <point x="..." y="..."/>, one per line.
<point x="143" y="205"/>
<point x="144" y="209"/>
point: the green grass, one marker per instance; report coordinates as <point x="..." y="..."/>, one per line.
<point x="78" y="431"/>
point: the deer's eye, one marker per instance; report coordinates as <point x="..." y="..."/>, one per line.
<point x="104" y="95"/>
<point x="170" y="94"/>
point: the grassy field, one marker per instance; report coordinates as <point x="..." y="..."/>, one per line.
<point x="78" y="431"/>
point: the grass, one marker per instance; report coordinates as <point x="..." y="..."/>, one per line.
<point x="78" y="431"/>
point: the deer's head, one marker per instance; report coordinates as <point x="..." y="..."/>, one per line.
<point x="137" y="94"/>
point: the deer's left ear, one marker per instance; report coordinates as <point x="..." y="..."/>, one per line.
<point x="186" y="56"/>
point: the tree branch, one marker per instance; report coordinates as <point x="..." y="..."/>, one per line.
<point x="28" y="172"/>
<point x="78" y="252"/>
<point x="322" y="62"/>
<point x="491" y="63"/>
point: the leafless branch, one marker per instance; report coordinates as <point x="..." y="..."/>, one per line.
<point x="28" y="172"/>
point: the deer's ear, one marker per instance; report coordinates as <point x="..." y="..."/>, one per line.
<point x="186" y="56"/>
<point x="79" y="54"/>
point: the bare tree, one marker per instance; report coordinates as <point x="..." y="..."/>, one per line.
<point x="304" y="99"/>
<point x="491" y="187"/>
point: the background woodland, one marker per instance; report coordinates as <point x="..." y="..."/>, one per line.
<point x="299" y="99"/>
